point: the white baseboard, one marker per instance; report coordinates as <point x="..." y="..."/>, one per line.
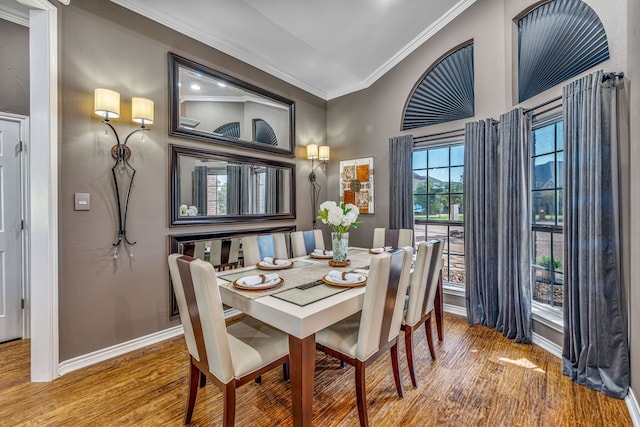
<point x="634" y="409"/>
<point x="548" y="345"/>
<point x="455" y="309"/>
<point x="117" y="350"/>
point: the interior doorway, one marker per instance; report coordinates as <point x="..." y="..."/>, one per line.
<point x="14" y="319"/>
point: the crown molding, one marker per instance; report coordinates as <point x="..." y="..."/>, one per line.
<point x="14" y="15"/>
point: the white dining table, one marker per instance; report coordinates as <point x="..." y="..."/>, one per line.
<point x="300" y="322"/>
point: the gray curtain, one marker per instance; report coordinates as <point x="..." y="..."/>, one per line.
<point x="233" y="189"/>
<point x="481" y="221"/>
<point x="401" y="182"/>
<point x="200" y="189"/>
<point x="514" y="227"/>
<point x="595" y="351"/>
<point x="270" y="190"/>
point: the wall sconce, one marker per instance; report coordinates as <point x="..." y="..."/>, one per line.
<point x="322" y="154"/>
<point x="107" y="105"/>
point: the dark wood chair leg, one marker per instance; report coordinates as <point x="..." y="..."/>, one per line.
<point x="361" y="394"/>
<point x="193" y="391"/>
<point x="229" y="416"/>
<point x="396" y="369"/>
<point x="203" y="380"/>
<point x="259" y="380"/>
<point x="285" y="372"/>
<point x="429" y="332"/>
<point x="342" y="364"/>
<point x="408" y="345"/>
<point x="439" y="308"/>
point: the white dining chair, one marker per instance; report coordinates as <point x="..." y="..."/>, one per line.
<point x="420" y="301"/>
<point x="304" y="242"/>
<point x="394" y="237"/>
<point x="256" y="247"/>
<point x="361" y="338"/>
<point x="228" y="356"/>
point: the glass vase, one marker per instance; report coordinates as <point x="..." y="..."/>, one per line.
<point x="340" y="244"/>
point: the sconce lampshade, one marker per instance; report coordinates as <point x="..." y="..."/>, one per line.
<point x="142" y="110"/>
<point x="323" y="153"/>
<point x="106" y="103"/>
<point x="312" y="151"/>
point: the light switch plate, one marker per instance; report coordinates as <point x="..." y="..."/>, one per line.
<point x="82" y="201"/>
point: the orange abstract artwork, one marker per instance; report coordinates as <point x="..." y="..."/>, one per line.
<point x="356" y="183"/>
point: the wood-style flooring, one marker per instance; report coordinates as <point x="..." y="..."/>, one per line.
<point x="479" y="379"/>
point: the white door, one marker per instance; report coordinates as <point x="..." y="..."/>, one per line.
<point x="10" y="230"/>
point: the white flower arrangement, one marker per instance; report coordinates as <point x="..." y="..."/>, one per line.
<point x="188" y="211"/>
<point x="339" y="218"/>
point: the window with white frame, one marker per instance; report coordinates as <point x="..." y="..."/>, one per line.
<point x="547" y="183"/>
<point x="438" y="174"/>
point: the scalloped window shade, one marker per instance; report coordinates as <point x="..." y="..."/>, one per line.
<point x="230" y="129"/>
<point x="263" y="133"/>
<point x="444" y="94"/>
<point x="558" y="41"/>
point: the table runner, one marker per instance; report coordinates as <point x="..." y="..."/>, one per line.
<point x="298" y="275"/>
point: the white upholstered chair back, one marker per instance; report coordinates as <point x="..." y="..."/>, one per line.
<point x="383" y="300"/>
<point x="201" y="312"/>
<point x="256" y="247"/>
<point x="418" y="285"/>
<point x="394" y="237"/>
<point x="304" y="242"/>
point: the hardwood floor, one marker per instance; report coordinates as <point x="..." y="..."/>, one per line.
<point x="479" y="379"/>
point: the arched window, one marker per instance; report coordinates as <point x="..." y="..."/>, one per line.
<point x="557" y="41"/>
<point x="445" y="93"/>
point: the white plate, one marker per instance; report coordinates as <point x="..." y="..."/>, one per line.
<point x="243" y="283"/>
<point x="281" y="264"/>
<point x="353" y="278"/>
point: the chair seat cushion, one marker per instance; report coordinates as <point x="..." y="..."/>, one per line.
<point x="254" y="344"/>
<point x="341" y="336"/>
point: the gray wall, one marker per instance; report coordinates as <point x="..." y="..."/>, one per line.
<point x="360" y="124"/>
<point x="14" y="68"/>
<point x="105" y="301"/>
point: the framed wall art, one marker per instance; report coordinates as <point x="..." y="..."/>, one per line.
<point x="356" y="183"/>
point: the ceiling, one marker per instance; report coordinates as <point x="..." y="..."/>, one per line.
<point x="328" y="48"/>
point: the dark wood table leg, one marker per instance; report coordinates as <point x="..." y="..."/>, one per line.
<point x="439" y="308"/>
<point x="302" y="357"/>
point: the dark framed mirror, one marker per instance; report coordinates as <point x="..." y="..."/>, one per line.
<point x="208" y="105"/>
<point x="213" y="187"/>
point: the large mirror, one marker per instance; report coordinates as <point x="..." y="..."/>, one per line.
<point x="211" y="187"/>
<point x="212" y="106"/>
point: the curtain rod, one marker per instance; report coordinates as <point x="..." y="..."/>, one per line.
<point x="605" y="77"/>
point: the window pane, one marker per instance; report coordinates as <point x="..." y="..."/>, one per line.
<point x="558" y="252"/>
<point x="456" y="240"/>
<point x="544" y="172"/>
<point x="439" y="208"/>
<point x="560" y="207"/>
<point x="544" y="204"/>
<point x="456" y="179"/>
<point x="560" y="169"/>
<point x="420" y="232"/>
<point x="438" y="157"/>
<point x="456" y="211"/>
<point x="438" y="180"/>
<point x="420" y="159"/>
<point x="457" y="155"/>
<point x="455" y="269"/>
<point x="543" y="140"/>
<point x="559" y="136"/>
<point x="542" y="248"/>
<point x="437" y="232"/>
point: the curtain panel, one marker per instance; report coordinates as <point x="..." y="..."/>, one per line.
<point x="481" y="221"/>
<point x="514" y="228"/>
<point x="401" y="182"/>
<point x="596" y="350"/>
<point x="200" y="189"/>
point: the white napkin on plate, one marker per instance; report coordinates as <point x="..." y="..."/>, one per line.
<point x="262" y="279"/>
<point x="275" y="261"/>
<point x="322" y="252"/>
<point x="336" y="276"/>
<point x="381" y="249"/>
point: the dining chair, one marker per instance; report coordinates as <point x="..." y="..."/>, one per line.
<point x="361" y="338"/>
<point x="304" y="242"/>
<point x="420" y="301"/>
<point x="228" y="356"/>
<point x="256" y="247"/>
<point x="199" y="249"/>
<point x="394" y="237"/>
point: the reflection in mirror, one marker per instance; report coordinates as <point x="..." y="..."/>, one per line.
<point x="208" y="104"/>
<point x="214" y="187"/>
